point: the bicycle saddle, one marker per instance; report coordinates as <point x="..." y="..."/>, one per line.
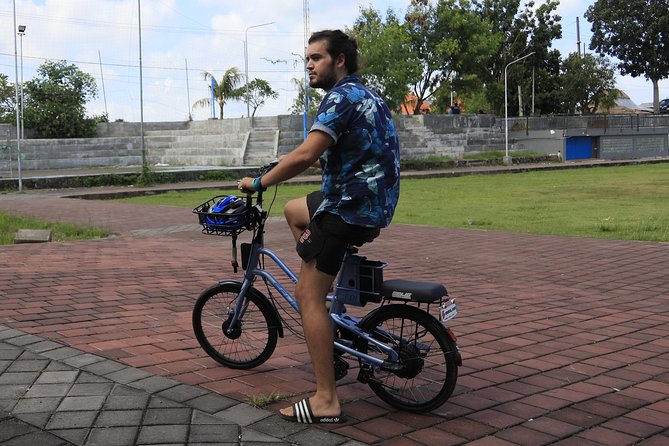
<point x="400" y="289"/>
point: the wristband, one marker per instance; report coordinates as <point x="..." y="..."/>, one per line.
<point x="256" y="184"/>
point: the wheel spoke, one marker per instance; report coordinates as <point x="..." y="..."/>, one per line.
<point x="426" y="373"/>
<point x="249" y="343"/>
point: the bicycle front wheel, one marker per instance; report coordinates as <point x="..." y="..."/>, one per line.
<point x="253" y="338"/>
<point x="420" y="359"/>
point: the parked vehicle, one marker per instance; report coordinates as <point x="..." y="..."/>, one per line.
<point x="664" y="106"/>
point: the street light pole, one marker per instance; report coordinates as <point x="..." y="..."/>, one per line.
<point x="507" y="159"/>
<point x="145" y="167"/>
<point x="246" y="63"/>
<point x="18" y="112"/>
<point x="22" y="31"/>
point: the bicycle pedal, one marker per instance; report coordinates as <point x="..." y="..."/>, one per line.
<point x="365" y="374"/>
<point x="340" y="368"/>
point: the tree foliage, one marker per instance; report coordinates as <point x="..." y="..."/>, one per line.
<point x="635" y="32"/>
<point x="258" y="92"/>
<point x="7" y="100"/>
<point x="314" y="96"/>
<point x="224" y="90"/>
<point x="55" y="102"/>
<point x="519" y="32"/>
<point x="589" y="84"/>
<point x="460" y="46"/>
<point x="380" y="42"/>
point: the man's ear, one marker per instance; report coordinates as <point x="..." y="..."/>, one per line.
<point x="340" y="61"/>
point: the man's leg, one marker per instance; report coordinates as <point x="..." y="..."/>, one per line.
<point x="310" y="293"/>
<point x="297" y="216"/>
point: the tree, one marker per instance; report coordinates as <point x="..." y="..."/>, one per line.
<point x="7" y="101"/>
<point x="224" y="90"/>
<point x="634" y="32"/>
<point x="434" y="48"/>
<point x="589" y="83"/>
<point x="315" y="98"/>
<point x="259" y="91"/>
<point x="450" y="40"/>
<point x="545" y="28"/>
<point x="56" y="102"/>
<point x="519" y="32"/>
<point x="464" y="43"/>
<point x="378" y="43"/>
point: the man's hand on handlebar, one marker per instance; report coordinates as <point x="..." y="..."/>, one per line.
<point x="251" y="185"/>
<point x="245" y="185"/>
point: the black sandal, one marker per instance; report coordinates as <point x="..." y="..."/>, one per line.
<point x="302" y="414"/>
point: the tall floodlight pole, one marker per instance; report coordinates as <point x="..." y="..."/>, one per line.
<point x="305" y="12"/>
<point x="22" y="31"/>
<point x="18" y="111"/>
<point x="507" y="159"/>
<point x="246" y="62"/>
<point x="102" y="76"/>
<point x="141" y="92"/>
<point x="190" y="117"/>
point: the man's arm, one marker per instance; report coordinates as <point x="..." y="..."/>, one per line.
<point x="304" y="156"/>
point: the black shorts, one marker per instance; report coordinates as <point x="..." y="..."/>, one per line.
<point x="327" y="236"/>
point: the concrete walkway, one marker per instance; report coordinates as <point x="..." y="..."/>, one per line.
<point x="564" y="340"/>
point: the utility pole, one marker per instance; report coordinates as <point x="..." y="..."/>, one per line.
<point x="18" y="106"/>
<point x="578" y="38"/>
<point x="305" y="12"/>
<point x="145" y="167"/>
<point x="190" y="117"/>
<point x="102" y="76"/>
<point x="507" y="158"/>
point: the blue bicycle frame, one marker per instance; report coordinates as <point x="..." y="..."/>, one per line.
<point x="346" y="322"/>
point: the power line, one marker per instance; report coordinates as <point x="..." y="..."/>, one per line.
<point x="122" y="65"/>
<point x="130" y="26"/>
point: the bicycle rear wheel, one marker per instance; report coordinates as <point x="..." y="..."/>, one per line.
<point x="247" y="345"/>
<point x="424" y="375"/>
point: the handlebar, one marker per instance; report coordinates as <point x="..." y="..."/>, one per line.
<point x="269" y="166"/>
<point x="263" y="170"/>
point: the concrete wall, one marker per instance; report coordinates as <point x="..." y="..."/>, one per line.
<point x="240" y="141"/>
<point x="549" y="142"/>
<point x="7" y="133"/>
<point x="613" y="137"/>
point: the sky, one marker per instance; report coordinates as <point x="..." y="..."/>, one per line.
<point x="180" y="39"/>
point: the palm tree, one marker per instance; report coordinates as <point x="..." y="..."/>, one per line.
<point x="224" y="89"/>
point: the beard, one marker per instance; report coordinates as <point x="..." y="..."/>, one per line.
<point x="326" y="80"/>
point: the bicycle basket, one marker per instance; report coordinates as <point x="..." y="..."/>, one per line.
<point x="223" y="215"/>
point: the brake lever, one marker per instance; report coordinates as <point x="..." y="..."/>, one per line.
<point x="269" y="166"/>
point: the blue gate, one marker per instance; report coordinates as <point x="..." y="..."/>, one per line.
<point x="579" y="147"/>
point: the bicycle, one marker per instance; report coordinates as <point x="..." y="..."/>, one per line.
<point x="407" y="356"/>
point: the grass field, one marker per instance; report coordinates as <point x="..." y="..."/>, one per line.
<point x="630" y="203"/>
<point x="59" y="231"/>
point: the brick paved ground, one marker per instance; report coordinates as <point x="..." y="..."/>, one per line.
<point x="564" y="340"/>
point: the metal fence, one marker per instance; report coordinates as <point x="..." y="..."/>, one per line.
<point x="638" y="121"/>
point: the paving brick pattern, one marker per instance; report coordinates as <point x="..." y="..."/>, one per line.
<point x="564" y="340"/>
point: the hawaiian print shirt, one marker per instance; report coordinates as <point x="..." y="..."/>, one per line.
<point x="361" y="171"/>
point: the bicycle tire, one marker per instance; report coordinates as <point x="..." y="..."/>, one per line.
<point x="248" y="347"/>
<point x="427" y="375"/>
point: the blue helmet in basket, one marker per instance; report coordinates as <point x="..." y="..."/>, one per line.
<point x="227" y="213"/>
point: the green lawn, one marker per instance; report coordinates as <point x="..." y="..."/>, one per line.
<point x="629" y="202"/>
<point x="59" y="231"/>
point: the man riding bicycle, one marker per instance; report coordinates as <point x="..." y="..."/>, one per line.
<point x="354" y="141"/>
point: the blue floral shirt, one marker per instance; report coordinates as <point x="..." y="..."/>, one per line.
<point x="361" y="170"/>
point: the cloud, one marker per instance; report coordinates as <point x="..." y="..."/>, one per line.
<point x="101" y="38"/>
